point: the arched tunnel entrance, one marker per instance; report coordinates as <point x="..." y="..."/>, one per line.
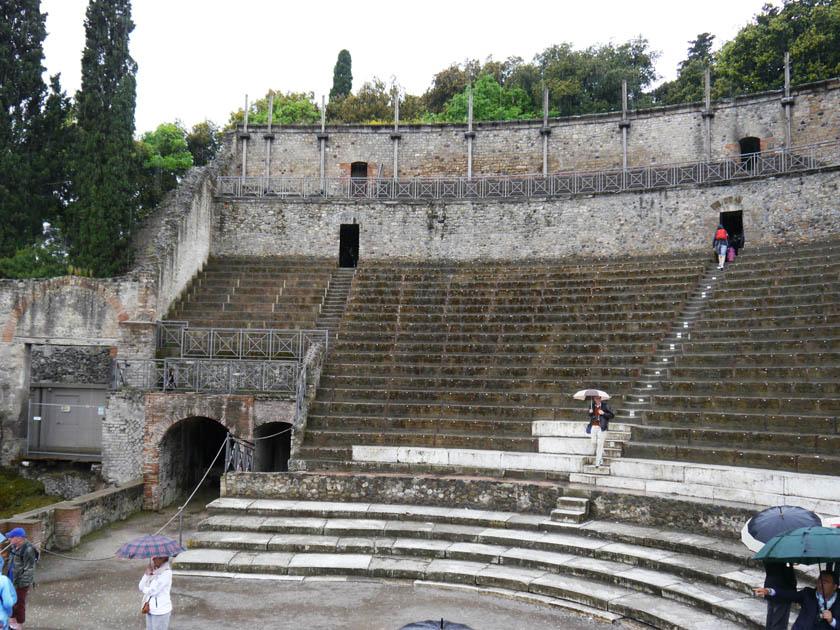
<point x="186" y="451"/>
<point x="274" y="443"/>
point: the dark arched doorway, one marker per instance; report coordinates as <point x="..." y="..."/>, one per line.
<point x="274" y="445"/>
<point x="185" y="453"/>
<point x="749" y="147"/>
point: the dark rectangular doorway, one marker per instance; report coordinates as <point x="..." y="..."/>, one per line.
<point x="733" y="223"/>
<point x="348" y="248"/>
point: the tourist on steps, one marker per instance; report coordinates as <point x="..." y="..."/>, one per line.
<point x="600" y="415"/>
<point x="155" y="585"/>
<point x="721" y="244"/>
<point x="22" y="559"/>
<point x="819" y="607"/>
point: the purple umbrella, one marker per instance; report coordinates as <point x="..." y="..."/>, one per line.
<point x="434" y="625"/>
<point x="149" y="546"/>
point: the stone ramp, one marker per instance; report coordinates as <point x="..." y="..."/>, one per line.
<point x="662" y="578"/>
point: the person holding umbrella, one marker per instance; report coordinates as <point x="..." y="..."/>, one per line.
<point x="157" y="580"/>
<point x="819" y="608"/>
<point x="600" y="415"/>
<point x="155" y="586"/>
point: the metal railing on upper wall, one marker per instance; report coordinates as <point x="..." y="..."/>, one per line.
<point x="652" y="176"/>
<point x="238" y="343"/>
<point x="207" y="375"/>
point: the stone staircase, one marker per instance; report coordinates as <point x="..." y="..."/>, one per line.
<point x="755" y="381"/>
<point x="464" y="359"/>
<point x="665" y="579"/>
<point x="335" y="300"/>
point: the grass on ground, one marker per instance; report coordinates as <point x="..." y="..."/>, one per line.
<point x="18" y="494"/>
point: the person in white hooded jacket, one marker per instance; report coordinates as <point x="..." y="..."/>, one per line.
<point x="155" y="585"/>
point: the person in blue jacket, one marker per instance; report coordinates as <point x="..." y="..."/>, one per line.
<point x="818" y="607"/>
<point x="8" y="596"/>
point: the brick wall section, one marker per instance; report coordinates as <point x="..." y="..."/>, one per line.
<point x="775" y="210"/>
<point x="69" y="526"/>
<point x="162" y="411"/>
<point x="96" y="509"/>
<point x="122" y="436"/>
<point x="592" y="142"/>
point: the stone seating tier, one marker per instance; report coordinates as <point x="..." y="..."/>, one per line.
<point x="663" y="579"/>
<point x="519" y="338"/>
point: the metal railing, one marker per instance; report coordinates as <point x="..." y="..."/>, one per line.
<point x="652" y="176"/>
<point x="207" y="375"/>
<point x="239" y="454"/>
<point x="238" y="343"/>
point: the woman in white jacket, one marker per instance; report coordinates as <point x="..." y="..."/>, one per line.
<point x="155" y="585"/>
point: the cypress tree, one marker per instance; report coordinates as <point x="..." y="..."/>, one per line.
<point x="22" y="92"/>
<point x="98" y="224"/>
<point x="342" y="76"/>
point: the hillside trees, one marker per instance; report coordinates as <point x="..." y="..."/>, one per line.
<point x="98" y="222"/>
<point x="754" y="59"/>
<point x="690" y="83"/>
<point x="289" y="108"/>
<point x="203" y="142"/>
<point x="490" y="102"/>
<point x="32" y="129"/>
<point x="165" y="158"/>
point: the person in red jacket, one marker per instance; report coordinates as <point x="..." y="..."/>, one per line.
<point x="721" y="244"/>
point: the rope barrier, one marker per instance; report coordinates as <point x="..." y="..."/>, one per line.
<point x="179" y="510"/>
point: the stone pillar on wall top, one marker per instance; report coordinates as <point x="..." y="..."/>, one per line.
<point x="322" y="142"/>
<point x="269" y="136"/>
<point x="396" y="135"/>
<point x="624" y="125"/>
<point x="470" y="135"/>
<point x="708" y="114"/>
<point x="787" y="102"/>
<point x="545" y="131"/>
<point x="243" y="137"/>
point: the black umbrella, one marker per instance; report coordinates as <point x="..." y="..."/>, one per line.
<point x="435" y="625"/>
<point x="774" y="521"/>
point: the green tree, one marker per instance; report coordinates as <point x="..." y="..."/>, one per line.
<point x="490" y="102"/>
<point x="165" y="159"/>
<point x="203" y="141"/>
<point x="454" y="79"/>
<point x="98" y="222"/>
<point x="26" y="128"/>
<point x="691" y="74"/>
<point x="372" y="103"/>
<point x="289" y="109"/>
<point x="45" y="259"/>
<point x="754" y="59"/>
<point x="589" y="81"/>
<point x="342" y="76"/>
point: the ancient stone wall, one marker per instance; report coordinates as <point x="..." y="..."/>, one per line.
<point x="781" y="209"/>
<point x="594" y="142"/>
<point x="174" y="240"/>
<point x="71" y="364"/>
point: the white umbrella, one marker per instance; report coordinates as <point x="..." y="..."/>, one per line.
<point x="585" y="394"/>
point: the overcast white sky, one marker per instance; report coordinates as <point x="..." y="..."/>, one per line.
<point x="198" y="59"/>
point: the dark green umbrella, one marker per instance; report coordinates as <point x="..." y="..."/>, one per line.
<point x="806" y="545"/>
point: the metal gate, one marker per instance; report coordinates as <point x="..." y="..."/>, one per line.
<point x="66" y="420"/>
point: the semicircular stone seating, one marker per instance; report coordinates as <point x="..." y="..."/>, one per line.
<point x="665" y="579"/>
